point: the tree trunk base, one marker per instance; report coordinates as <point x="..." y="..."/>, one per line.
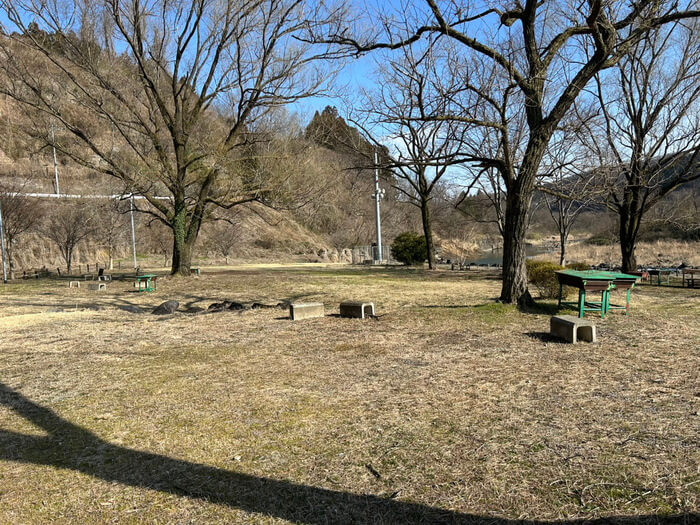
<point x="526" y="300"/>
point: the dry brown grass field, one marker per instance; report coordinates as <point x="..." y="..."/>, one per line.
<point x="446" y="408"/>
<point x="664" y="253"/>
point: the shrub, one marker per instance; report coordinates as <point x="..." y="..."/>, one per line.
<point x="601" y="239"/>
<point x="577" y="266"/>
<point x="541" y="275"/>
<point x="409" y="248"/>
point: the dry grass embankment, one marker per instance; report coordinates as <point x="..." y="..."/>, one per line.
<point x="447" y="407"/>
<point x="668" y="253"/>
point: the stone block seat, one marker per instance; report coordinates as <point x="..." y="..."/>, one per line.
<point x="356" y="309"/>
<point x="71" y="284"/>
<point x="299" y="311"/>
<point x="572" y="328"/>
<point x="97" y="286"/>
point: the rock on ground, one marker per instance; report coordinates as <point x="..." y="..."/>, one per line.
<point x="168" y="307"/>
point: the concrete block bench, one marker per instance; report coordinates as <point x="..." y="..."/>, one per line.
<point x="299" y="311"/>
<point x="71" y="284"/>
<point x="572" y="328"/>
<point x="356" y="309"/>
<point x="104" y="277"/>
<point x="97" y="286"/>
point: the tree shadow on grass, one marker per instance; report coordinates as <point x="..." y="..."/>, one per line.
<point x="545" y="337"/>
<point x="69" y="446"/>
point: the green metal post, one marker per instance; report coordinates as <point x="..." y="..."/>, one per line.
<point x="581" y="302"/>
<point x="559" y="304"/>
<point x="604" y="303"/>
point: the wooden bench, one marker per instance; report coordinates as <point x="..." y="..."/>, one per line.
<point x="572" y="328"/>
<point x="689" y="277"/>
<point x="299" y="311"/>
<point x="358" y="310"/>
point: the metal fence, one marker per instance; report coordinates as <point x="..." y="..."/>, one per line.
<point x="370" y="254"/>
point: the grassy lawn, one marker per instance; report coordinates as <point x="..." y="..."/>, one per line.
<point x="446" y="408"/>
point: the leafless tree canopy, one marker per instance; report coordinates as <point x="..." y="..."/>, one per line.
<point x="20" y="215"/>
<point x="179" y="84"/>
<point x="647" y="139"/>
<point x="71" y="223"/>
<point x="521" y="67"/>
<point x="401" y="116"/>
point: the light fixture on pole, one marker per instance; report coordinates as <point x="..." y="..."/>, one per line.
<point x="378" y="195"/>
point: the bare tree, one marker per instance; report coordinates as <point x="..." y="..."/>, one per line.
<point x="20" y="215"/>
<point x="224" y="237"/>
<point x="488" y="205"/>
<point x="567" y="186"/>
<point x="179" y="84"/>
<point x="402" y="115"/>
<point x="158" y="239"/>
<point x="69" y="225"/>
<point x="648" y="140"/>
<point x="542" y="55"/>
<point x="111" y="227"/>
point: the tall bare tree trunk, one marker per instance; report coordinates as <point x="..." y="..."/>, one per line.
<point x="428" y="232"/>
<point x="562" y="250"/>
<point x="628" y="242"/>
<point x="518" y="199"/>
<point x="182" y="245"/>
<point x="514" y="287"/>
<point x="630" y="213"/>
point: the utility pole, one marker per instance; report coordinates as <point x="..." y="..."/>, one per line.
<point x="4" y="254"/>
<point x="378" y="195"/>
<point x="55" y="163"/>
<point x="133" y="230"/>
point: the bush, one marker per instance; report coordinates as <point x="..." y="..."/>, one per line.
<point x="541" y="275"/>
<point x="602" y="239"/>
<point x="577" y="266"/>
<point x="409" y="248"/>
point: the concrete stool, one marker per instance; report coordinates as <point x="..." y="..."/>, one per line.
<point x="356" y="309"/>
<point x="74" y="283"/>
<point x="97" y="286"/>
<point x="299" y="311"/>
<point x="572" y="328"/>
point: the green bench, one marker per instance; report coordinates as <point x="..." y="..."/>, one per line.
<point x="594" y="281"/>
<point x="147" y="282"/>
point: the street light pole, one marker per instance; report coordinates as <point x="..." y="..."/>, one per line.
<point x="133" y="230"/>
<point x="378" y="196"/>
<point x="55" y="163"/>
<point x="4" y="254"/>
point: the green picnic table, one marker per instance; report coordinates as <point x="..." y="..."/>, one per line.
<point x="593" y="281"/>
<point x="624" y="282"/>
<point x="660" y="274"/>
<point x="147" y="282"/>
